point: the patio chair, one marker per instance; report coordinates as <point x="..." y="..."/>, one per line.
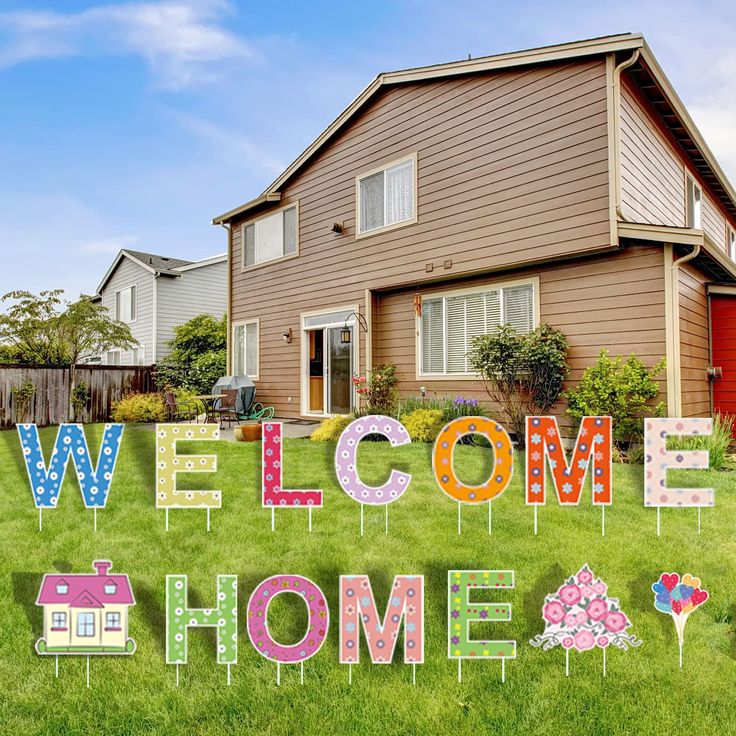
<point x="226" y="408"/>
<point x="177" y="411"/>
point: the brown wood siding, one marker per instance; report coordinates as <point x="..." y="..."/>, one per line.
<point x="614" y="302"/>
<point x="653" y="171"/>
<point x="512" y="168"/>
<point x="694" y="344"/>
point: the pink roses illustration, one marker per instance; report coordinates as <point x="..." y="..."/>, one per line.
<point x="581" y="616"/>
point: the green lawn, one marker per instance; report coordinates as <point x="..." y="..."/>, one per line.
<point x="644" y="692"/>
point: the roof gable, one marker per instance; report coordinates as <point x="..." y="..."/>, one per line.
<point x="86" y="590"/>
<point x="699" y="151"/>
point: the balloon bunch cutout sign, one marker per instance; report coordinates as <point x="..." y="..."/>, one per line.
<point x="88" y="615"/>
<point x="679" y="598"/>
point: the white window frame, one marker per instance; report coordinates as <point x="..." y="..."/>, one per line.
<point x="116" y="352"/>
<point x="692" y="186"/>
<point x="282" y="257"/>
<point x="304" y="359"/>
<point x="134" y="306"/>
<point x="86" y="623"/>
<point x="242" y="323"/>
<point x="480" y="288"/>
<point x="138" y="354"/>
<point x="731" y="242"/>
<point x="364" y="175"/>
<point x="58" y="620"/>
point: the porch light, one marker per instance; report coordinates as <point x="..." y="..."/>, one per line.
<point x="346" y="332"/>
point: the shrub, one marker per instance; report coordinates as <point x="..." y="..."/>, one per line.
<point x="621" y="389"/>
<point x="80" y="398"/>
<point x="523" y="374"/>
<point x="139" y="408"/>
<point x="331" y="428"/>
<point x="378" y="390"/>
<point x="22" y="395"/>
<point x="717" y="443"/>
<point x="423" y="425"/>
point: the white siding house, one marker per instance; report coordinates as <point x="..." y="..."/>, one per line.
<point x="153" y="294"/>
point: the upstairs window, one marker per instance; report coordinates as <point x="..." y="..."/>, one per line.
<point x="126" y="305"/>
<point x="449" y="323"/>
<point x="731" y="244"/>
<point x="110" y="587"/>
<point x="62" y="587"/>
<point x="270" y="237"/>
<point x="387" y="197"/>
<point x="694" y="198"/>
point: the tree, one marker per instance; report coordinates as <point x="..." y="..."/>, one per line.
<point x="198" y="356"/>
<point x="43" y="329"/>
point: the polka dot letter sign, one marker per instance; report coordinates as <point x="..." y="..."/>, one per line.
<point x="444" y="447"/>
<point x="346" y="454"/>
<point x="169" y="463"/>
<point x="658" y="459"/>
<point x="358" y="606"/>
<point x="317" y="611"/>
<point x="462" y="611"/>
<point x="224" y="617"/>
<point x="273" y="466"/>
<point x="70" y="442"/>
<point x="592" y="447"/>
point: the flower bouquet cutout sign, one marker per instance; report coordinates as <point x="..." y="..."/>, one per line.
<point x="581" y="616"/>
<point x="679" y="598"/>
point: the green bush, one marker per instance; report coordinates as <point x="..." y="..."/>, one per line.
<point x="139" y="408"/>
<point x="423" y="425"/>
<point x="621" y="389"/>
<point x="331" y="428"/>
<point x="522" y="373"/>
<point x="718" y="443"/>
<point x="198" y="357"/>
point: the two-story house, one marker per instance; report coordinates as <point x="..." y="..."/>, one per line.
<point x="565" y="184"/>
<point x="154" y="294"/>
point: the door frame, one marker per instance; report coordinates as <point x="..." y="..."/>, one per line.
<point x="304" y="357"/>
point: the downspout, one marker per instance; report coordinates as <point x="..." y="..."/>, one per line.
<point x="617" y="127"/>
<point x="228" y="338"/>
<point x="154" y="334"/>
<point x="674" y="314"/>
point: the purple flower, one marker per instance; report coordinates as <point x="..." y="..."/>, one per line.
<point x="456" y="614"/>
<point x="455" y="588"/>
<point x="455" y="640"/>
<point x="483" y="614"/>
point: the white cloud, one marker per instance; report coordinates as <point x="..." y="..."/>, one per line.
<point x="179" y="39"/>
<point x="229" y="144"/>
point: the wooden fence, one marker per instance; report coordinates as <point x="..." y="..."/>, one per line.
<point x="50" y="402"/>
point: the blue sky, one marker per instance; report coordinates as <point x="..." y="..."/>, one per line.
<point x="130" y="124"/>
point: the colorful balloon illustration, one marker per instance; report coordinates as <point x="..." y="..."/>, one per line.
<point x="679" y="597"/>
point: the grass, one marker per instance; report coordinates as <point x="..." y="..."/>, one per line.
<point x="644" y="692"/>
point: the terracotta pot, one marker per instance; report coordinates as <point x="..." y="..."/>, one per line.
<point x="248" y="432"/>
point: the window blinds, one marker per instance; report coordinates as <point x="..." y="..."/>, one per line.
<point x="449" y="324"/>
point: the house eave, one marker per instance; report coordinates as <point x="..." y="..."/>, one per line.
<point x="711" y="257"/>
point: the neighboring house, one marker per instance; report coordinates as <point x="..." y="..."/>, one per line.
<point x="565" y="184"/>
<point x="153" y="294"/>
<point x="86" y="614"/>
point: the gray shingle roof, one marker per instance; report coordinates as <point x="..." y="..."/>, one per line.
<point x="159" y="263"/>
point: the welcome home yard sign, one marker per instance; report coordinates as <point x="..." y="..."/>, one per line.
<point x="77" y="624"/>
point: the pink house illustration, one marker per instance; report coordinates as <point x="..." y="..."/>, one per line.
<point x="86" y="614"/>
